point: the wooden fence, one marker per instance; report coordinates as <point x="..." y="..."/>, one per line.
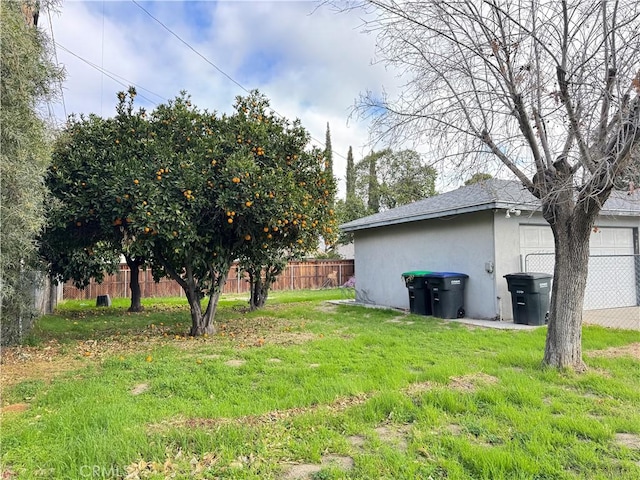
<point x="306" y="274"/>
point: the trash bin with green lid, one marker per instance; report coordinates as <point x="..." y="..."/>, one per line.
<point x="447" y="294"/>
<point x="419" y="295"/>
<point x="529" y="297"/>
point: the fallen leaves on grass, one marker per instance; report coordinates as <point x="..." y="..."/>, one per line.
<point x="175" y="465"/>
<point x="274" y="416"/>
<point x="52" y="358"/>
<point x="34" y="363"/>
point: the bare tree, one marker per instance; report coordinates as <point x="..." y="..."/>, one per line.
<point x="548" y="88"/>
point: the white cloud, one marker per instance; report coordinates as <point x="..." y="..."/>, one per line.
<point x="311" y="64"/>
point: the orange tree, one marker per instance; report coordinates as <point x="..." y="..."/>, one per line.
<point x="277" y="196"/>
<point x="239" y="186"/>
<point x="93" y="196"/>
<point x="177" y="217"/>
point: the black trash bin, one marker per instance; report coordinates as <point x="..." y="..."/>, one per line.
<point x="530" y="297"/>
<point x="419" y="295"/>
<point x="447" y="294"/>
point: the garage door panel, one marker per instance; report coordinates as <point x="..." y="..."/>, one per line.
<point x="612" y="277"/>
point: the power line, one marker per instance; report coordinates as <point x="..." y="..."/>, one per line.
<point x="125" y="83"/>
<point x="189" y="46"/>
<point x="184" y="42"/>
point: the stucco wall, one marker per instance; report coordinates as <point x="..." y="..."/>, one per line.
<point x="463" y="243"/>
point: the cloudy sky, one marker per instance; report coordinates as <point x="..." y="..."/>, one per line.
<point x="311" y="62"/>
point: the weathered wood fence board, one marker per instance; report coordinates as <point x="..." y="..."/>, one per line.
<point x="306" y="274"/>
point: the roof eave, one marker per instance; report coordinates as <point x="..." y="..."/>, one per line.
<point x="427" y="216"/>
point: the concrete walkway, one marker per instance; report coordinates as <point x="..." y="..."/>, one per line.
<point x="467" y="321"/>
<point x="627" y="318"/>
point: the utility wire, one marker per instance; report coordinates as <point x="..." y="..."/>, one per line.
<point x="125" y="83"/>
<point x="190" y="47"/>
<point x="216" y="67"/>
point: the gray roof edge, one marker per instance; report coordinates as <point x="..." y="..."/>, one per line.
<point x="467" y="209"/>
<point x="423" y="216"/>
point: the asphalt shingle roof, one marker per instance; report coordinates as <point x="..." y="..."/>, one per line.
<point x="490" y="194"/>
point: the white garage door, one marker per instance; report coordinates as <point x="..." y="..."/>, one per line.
<point x="612" y="278"/>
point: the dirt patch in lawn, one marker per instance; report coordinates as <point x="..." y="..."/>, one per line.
<point x="305" y="471"/>
<point x="337" y="406"/>
<point x="46" y="361"/>
<point x="418" y="388"/>
<point x="629" y="440"/>
<point x="395" y="435"/>
<point x="139" y="389"/>
<point x="235" y="363"/>
<point x="356" y="441"/>
<point x="469" y="383"/>
<point x="631" y="350"/>
<point x="15" y="408"/>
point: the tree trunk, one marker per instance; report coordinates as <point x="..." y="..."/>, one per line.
<point x="259" y="291"/>
<point x="134" y="284"/>
<point x="201" y="322"/>
<point x="563" y="347"/>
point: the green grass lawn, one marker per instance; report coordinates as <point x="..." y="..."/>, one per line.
<point x="307" y="389"/>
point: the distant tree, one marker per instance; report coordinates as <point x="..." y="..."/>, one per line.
<point x="328" y="151"/>
<point x="346" y="211"/>
<point x="352" y="207"/>
<point x="351" y="176"/>
<point x="404" y="178"/>
<point x="329" y="241"/>
<point x="387" y="179"/>
<point x="373" y="185"/>
<point x="28" y="77"/>
<point x="477" y="178"/>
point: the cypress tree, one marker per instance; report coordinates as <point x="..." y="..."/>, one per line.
<point x="351" y="176"/>
<point x="373" y="193"/>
